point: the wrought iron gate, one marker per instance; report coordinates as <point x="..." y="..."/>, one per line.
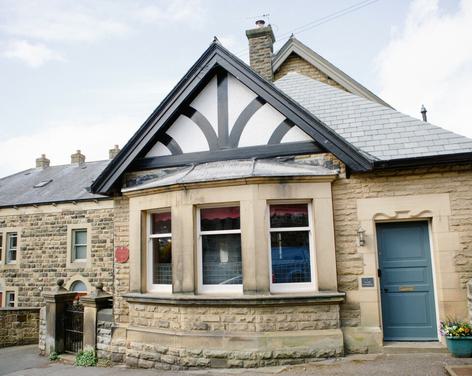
<point x="73" y="327"/>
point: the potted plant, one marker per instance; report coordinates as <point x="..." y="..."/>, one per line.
<point x="458" y="337"/>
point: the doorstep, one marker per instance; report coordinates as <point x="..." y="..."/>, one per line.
<point x="414" y="348"/>
<point x="459" y="370"/>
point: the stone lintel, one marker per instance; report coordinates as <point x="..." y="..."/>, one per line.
<point x="333" y="297"/>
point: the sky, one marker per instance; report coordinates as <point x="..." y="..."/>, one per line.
<point x="85" y="74"/>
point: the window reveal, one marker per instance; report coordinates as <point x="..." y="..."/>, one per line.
<point x="79" y="245"/>
<point x="290" y="244"/>
<point x="220" y="237"/>
<point x="12" y="242"/>
<point x="10" y="299"/>
<point x="161" y="248"/>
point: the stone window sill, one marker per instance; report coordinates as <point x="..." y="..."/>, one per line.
<point x="325" y="297"/>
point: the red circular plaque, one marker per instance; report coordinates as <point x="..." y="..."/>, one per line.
<point x="121" y="254"/>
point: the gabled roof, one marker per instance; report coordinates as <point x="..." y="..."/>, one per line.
<point x="387" y="135"/>
<point x="293" y="45"/>
<point x="214" y="58"/>
<point x="53" y="184"/>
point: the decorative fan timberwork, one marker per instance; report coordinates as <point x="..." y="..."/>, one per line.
<point x="226" y="115"/>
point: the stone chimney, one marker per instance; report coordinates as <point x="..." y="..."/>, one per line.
<point x="77" y="158"/>
<point x="113" y="152"/>
<point x="261" y="45"/>
<point x="42" y="162"/>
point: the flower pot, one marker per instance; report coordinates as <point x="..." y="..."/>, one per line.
<point x="460" y="347"/>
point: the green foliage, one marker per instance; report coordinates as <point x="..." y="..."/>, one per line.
<point x="452" y="327"/>
<point x="54" y="356"/>
<point x="86" y="358"/>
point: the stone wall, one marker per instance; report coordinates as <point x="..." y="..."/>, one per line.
<point x="42" y="252"/>
<point x="454" y="181"/>
<point x="227" y="336"/>
<point x="235" y="319"/>
<point x="18" y="326"/>
<point x="121" y="270"/>
<point x="295" y="63"/>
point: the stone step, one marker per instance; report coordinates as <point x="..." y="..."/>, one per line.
<point x="414" y="348"/>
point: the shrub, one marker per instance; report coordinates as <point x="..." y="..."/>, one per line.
<point x="86" y="358"/>
<point x="54" y="356"/>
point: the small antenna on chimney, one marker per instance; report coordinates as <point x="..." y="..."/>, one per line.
<point x="423" y="113"/>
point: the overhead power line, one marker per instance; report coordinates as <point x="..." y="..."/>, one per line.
<point x="320" y="21"/>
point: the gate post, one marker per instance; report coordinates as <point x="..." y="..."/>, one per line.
<point x="55" y="303"/>
<point x="92" y="304"/>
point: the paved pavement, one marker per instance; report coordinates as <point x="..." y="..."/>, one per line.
<point x="24" y="361"/>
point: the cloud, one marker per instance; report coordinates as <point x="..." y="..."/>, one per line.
<point x="32" y="54"/>
<point x="89" y="20"/>
<point x="173" y="11"/>
<point x="93" y="138"/>
<point x="56" y="20"/>
<point x="429" y="61"/>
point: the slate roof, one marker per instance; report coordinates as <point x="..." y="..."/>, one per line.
<point x="379" y="131"/>
<point x="234" y="169"/>
<point x="293" y="45"/>
<point x="64" y="183"/>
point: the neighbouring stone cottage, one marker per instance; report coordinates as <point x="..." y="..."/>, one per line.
<point x="272" y="215"/>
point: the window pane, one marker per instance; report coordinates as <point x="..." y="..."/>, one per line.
<point x="290" y="257"/>
<point x="161" y="223"/>
<point x="10" y="299"/>
<point x="11" y="247"/>
<point x="80" y="252"/>
<point x="80" y="237"/>
<point x="215" y="219"/>
<point x="289" y="215"/>
<point x="162" y="261"/>
<point x="221" y="258"/>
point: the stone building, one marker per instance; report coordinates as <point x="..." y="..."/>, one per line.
<point x="274" y="215"/>
<point x="51" y="227"/>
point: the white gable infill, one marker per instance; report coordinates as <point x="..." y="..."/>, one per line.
<point x="222" y="110"/>
<point x="263" y="126"/>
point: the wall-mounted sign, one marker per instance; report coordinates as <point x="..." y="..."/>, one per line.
<point x="121" y="254"/>
<point x="367" y="282"/>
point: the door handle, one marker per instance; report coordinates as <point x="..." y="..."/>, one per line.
<point x="385" y="290"/>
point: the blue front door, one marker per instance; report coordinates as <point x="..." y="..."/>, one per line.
<point x="406" y="282"/>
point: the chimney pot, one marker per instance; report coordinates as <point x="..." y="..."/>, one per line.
<point x="260" y="23"/>
<point x="261" y="45"/>
<point x="77" y="158"/>
<point x="423" y="113"/>
<point x="42" y="162"/>
<point x="113" y="152"/>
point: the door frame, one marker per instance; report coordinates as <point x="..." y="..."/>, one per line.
<point x="433" y="268"/>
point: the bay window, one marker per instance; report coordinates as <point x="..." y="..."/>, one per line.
<point x="291" y="248"/>
<point x="160" y="252"/>
<point x="219" y="250"/>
